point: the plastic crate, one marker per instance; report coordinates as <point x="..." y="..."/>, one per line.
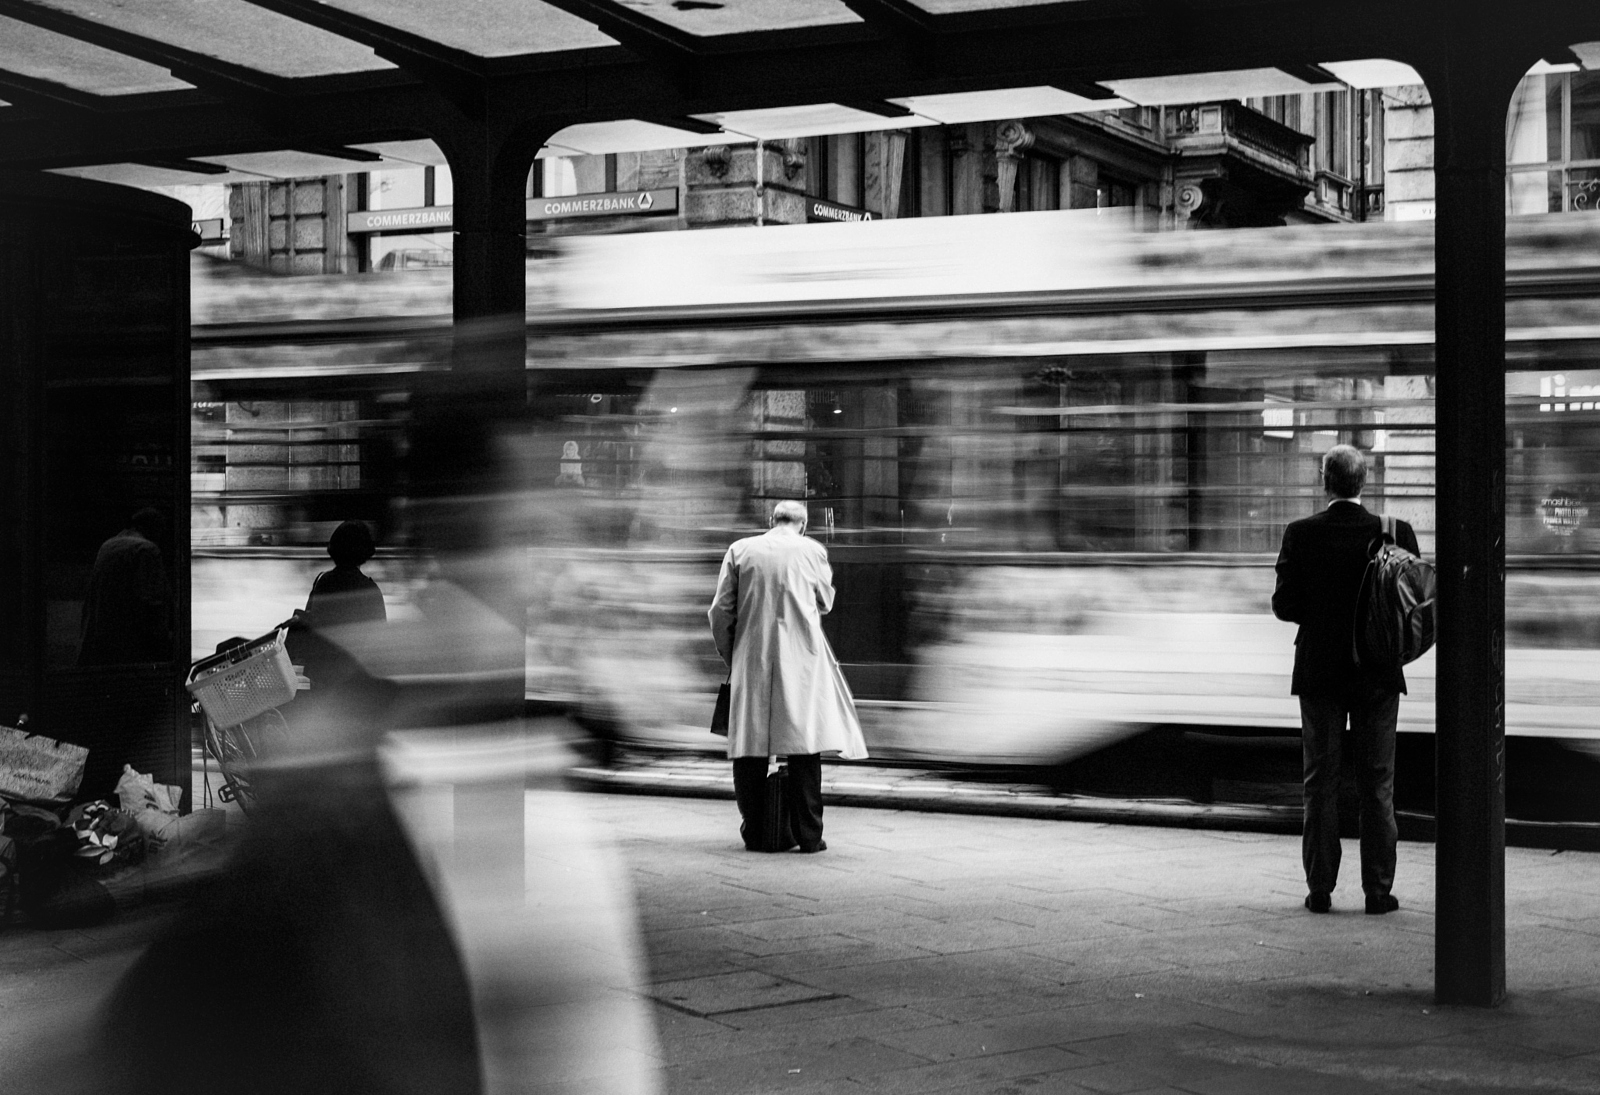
<point x="241" y="683"/>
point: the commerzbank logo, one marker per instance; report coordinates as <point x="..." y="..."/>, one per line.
<point x="664" y="200"/>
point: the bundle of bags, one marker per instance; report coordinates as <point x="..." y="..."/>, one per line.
<point x="76" y="868"/>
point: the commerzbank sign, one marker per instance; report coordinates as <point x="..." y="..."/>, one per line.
<point x="627" y="203"/>
<point x="604" y="205"/>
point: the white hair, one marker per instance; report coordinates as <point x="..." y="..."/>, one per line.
<point x="789" y="512"/>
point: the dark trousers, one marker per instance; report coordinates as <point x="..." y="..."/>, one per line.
<point x="1372" y="714"/>
<point x="802" y="793"/>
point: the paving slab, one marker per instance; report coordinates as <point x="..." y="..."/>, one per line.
<point x="1009" y="955"/>
<point x="1067" y="956"/>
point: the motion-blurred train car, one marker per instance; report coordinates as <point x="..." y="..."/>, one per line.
<point x="1051" y="458"/>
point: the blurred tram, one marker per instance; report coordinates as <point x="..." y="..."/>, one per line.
<point x="1051" y="457"/>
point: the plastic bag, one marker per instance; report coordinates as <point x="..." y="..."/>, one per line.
<point x="34" y="768"/>
<point x="139" y="791"/>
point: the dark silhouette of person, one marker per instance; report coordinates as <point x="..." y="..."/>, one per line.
<point x="1319" y="572"/>
<point x="343" y="704"/>
<point x="344" y="595"/>
<point x="127" y="608"/>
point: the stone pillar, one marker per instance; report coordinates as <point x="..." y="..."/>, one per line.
<point x="1011" y="140"/>
<point x="1471" y="75"/>
<point x="729" y="185"/>
<point x="1408" y="150"/>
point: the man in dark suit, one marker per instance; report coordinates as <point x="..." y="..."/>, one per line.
<point x="1319" y="578"/>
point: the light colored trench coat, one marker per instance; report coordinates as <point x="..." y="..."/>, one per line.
<point x="789" y="695"/>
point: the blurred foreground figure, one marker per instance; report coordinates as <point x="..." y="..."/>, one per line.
<point x="125" y="610"/>
<point x="789" y="696"/>
<point x="418" y="906"/>
<point x="1319" y="578"/>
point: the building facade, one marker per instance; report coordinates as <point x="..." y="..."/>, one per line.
<point x="1285" y="159"/>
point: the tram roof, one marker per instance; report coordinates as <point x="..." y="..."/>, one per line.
<point x="171" y="91"/>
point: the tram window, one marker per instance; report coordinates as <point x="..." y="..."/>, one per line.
<point x="1156" y="453"/>
<point x="1553" y="461"/>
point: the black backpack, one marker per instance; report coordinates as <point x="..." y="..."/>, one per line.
<point x="1396" y="615"/>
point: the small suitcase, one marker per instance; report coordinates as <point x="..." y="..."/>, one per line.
<point x="776" y="834"/>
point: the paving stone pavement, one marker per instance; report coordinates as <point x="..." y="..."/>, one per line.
<point x="957" y="953"/>
<point x="928" y="952"/>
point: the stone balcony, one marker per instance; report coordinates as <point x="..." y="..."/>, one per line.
<point x="1237" y="167"/>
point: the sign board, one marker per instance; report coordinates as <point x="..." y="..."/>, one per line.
<point x="209" y="231"/>
<point x="1563" y="512"/>
<point x="620" y="204"/>
<point x="819" y="210"/>
<point x="424" y="219"/>
<point x="628" y="203"/>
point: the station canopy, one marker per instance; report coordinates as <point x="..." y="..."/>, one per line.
<point x="173" y="91"/>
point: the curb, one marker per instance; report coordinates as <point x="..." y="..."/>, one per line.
<point x="843" y="790"/>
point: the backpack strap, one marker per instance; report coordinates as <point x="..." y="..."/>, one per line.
<point x="1389" y="528"/>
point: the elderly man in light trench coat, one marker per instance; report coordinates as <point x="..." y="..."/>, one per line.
<point x="789" y="697"/>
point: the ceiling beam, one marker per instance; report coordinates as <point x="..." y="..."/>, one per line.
<point x="341" y="152"/>
<point x="210" y="73"/>
<point x="192" y="167"/>
<point x="849" y="65"/>
<point x="676" y="52"/>
<point x="896" y="20"/>
<point x="456" y="74"/>
<point x="683" y="122"/>
<point x="881" y="107"/>
<point x="47" y="96"/>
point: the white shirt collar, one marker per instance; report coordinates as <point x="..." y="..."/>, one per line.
<point x="1353" y="501"/>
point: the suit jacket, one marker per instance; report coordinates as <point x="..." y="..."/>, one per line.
<point x="1319" y="577"/>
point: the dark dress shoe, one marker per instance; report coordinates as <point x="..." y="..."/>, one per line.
<point x="821" y="846"/>
<point x="1382" y="903"/>
<point x="1319" y="902"/>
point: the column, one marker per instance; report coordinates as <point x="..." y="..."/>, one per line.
<point x="1471" y="76"/>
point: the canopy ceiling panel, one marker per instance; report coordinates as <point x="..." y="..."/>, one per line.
<point x="1016" y="102"/>
<point x="627" y="135"/>
<point x="147" y="175"/>
<point x="950" y="7"/>
<point x="1202" y="87"/>
<point x="31" y="51"/>
<point x="231" y="30"/>
<point x="1374" y="72"/>
<point x="807" y="121"/>
<point x="289" y="164"/>
<point x="415" y="152"/>
<point x="707" y="18"/>
<point x="488" y="28"/>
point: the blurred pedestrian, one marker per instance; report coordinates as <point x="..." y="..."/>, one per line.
<point x="344" y="595"/>
<point x="788" y="696"/>
<point x="127" y="608"/>
<point x="1319" y="579"/>
<point x="343" y="704"/>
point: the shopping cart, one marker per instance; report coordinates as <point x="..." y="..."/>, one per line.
<point x="239" y="690"/>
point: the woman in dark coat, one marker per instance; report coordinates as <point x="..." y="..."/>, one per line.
<point x="344" y="595"/>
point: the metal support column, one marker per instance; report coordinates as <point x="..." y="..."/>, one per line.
<point x="1471" y="78"/>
